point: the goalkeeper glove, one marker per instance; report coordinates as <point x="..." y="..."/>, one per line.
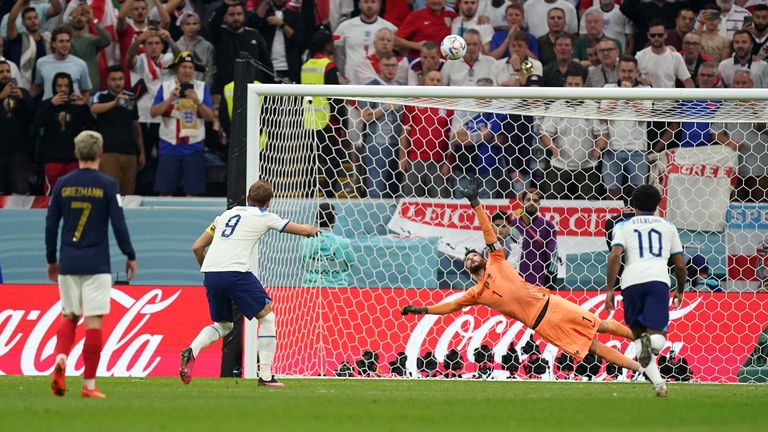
<point x="410" y="309"/>
<point x="472" y="191"/>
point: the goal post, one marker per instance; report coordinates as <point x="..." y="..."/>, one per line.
<point x="404" y="227"/>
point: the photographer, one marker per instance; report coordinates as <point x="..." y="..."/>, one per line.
<point x="117" y="119"/>
<point x="184" y="105"/>
<point x="16" y="113"/>
<point x="61" y="118"/>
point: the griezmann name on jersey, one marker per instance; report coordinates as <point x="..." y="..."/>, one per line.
<point x="235" y="234"/>
<point x="87" y="200"/>
<point x="648" y="242"/>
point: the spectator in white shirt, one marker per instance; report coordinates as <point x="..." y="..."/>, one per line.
<point x="474" y="65"/>
<point x="354" y="37"/>
<point x="624" y="160"/>
<point x="616" y="24"/>
<point x="742" y="59"/>
<point x="661" y="64"/>
<point x="733" y="18"/>
<point x="508" y="72"/>
<point x="536" y="15"/>
<point x="571" y="139"/>
<point x="469" y="19"/>
<point x="368" y="69"/>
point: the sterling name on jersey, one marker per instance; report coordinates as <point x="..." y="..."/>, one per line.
<point x="648" y="243"/>
<point x="235" y="233"/>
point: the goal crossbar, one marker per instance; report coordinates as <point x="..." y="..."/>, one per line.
<point x="363" y="91"/>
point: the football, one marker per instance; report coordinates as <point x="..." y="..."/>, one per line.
<point x="453" y="47"/>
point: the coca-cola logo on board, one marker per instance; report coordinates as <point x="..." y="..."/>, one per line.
<point x="128" y="350"/>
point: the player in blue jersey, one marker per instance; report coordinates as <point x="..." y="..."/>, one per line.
<point x="229" y="241"/>
<point x="646" y="242"/>
<point x="86" y="200"/>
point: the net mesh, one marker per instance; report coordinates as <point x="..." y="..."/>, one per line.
<point x="391" y="168"/>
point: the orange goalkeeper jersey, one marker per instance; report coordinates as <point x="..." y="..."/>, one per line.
<point x="503" y="290"/>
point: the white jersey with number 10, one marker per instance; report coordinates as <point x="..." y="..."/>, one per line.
<point x="235" y="233"/>
<point x="648" y="243"/>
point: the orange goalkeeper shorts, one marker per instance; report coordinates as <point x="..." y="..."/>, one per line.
<point x="570" y="327"/>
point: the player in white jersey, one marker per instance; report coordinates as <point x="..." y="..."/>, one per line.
<point x="229" y="241"/>
<point x="647" y="242"/>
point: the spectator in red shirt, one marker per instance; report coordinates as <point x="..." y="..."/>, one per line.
<point x="683" y="26"/>
<point x="424" y="147"/>
<point x="397" y="11"/>
<point x="132" y="20"/>
<point x="431" y="23"/>
<point x="368" y="69"/>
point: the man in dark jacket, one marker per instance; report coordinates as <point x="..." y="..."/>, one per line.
<point x="61" y="118"/>
<point x="230" y="37"/>
<point x="16" y="114"/>
<point x="283" y="31"/>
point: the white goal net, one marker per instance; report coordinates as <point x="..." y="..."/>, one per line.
<point x="380" y="166"/>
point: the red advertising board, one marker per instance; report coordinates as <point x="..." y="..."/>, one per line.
<point x="144" y="333"/>
<point x="317" y="329"/>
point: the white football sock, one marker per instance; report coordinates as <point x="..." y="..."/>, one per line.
<point x="90" y="383"/>
<point x="61" y="357"/>
<point x="267" y="344"/>
<point x="657" y="342"/>
<point x="209" y="335"/>
<point x="652" y="371"/>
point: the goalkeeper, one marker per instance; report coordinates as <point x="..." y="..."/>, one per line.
<point x="555" y="319"/>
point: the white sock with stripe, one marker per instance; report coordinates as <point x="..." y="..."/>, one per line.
<point x="267" y="344"/>
<point x="652" y="371"/>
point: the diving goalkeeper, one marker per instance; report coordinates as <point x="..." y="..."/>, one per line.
<point x="553" y="318"/>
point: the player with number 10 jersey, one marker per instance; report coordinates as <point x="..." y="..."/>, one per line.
<point x="646" y="243"/>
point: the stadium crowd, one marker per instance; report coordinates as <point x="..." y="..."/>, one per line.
<point x="155" y="78"/>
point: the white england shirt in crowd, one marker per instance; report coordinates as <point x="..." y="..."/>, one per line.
<point x="616" y="25"/>
<point x="496" y="15"/>
<point x="648" y="243"/>
<point x="733" y="21"/>
<point x="627" y="135"/>
<point x="758" y="69"/>
<point x="237" y="232"/>
<point x="459" y="73"/>
<point x="536" y="16"/>
<point x="573" y="128"/>
<point x="153" y="76"/>
<point x="662" y="69"/>
<point x="460" y="25"/>
<point x="502" y="70"/>
<point x="356" y="39"/>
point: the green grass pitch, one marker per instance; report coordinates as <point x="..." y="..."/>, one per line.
<point x="224" y="405"/>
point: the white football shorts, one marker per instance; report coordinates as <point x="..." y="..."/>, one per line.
<point x="86" y="295"/>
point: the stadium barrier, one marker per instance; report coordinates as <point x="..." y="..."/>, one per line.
<point x="149" y="325"/>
